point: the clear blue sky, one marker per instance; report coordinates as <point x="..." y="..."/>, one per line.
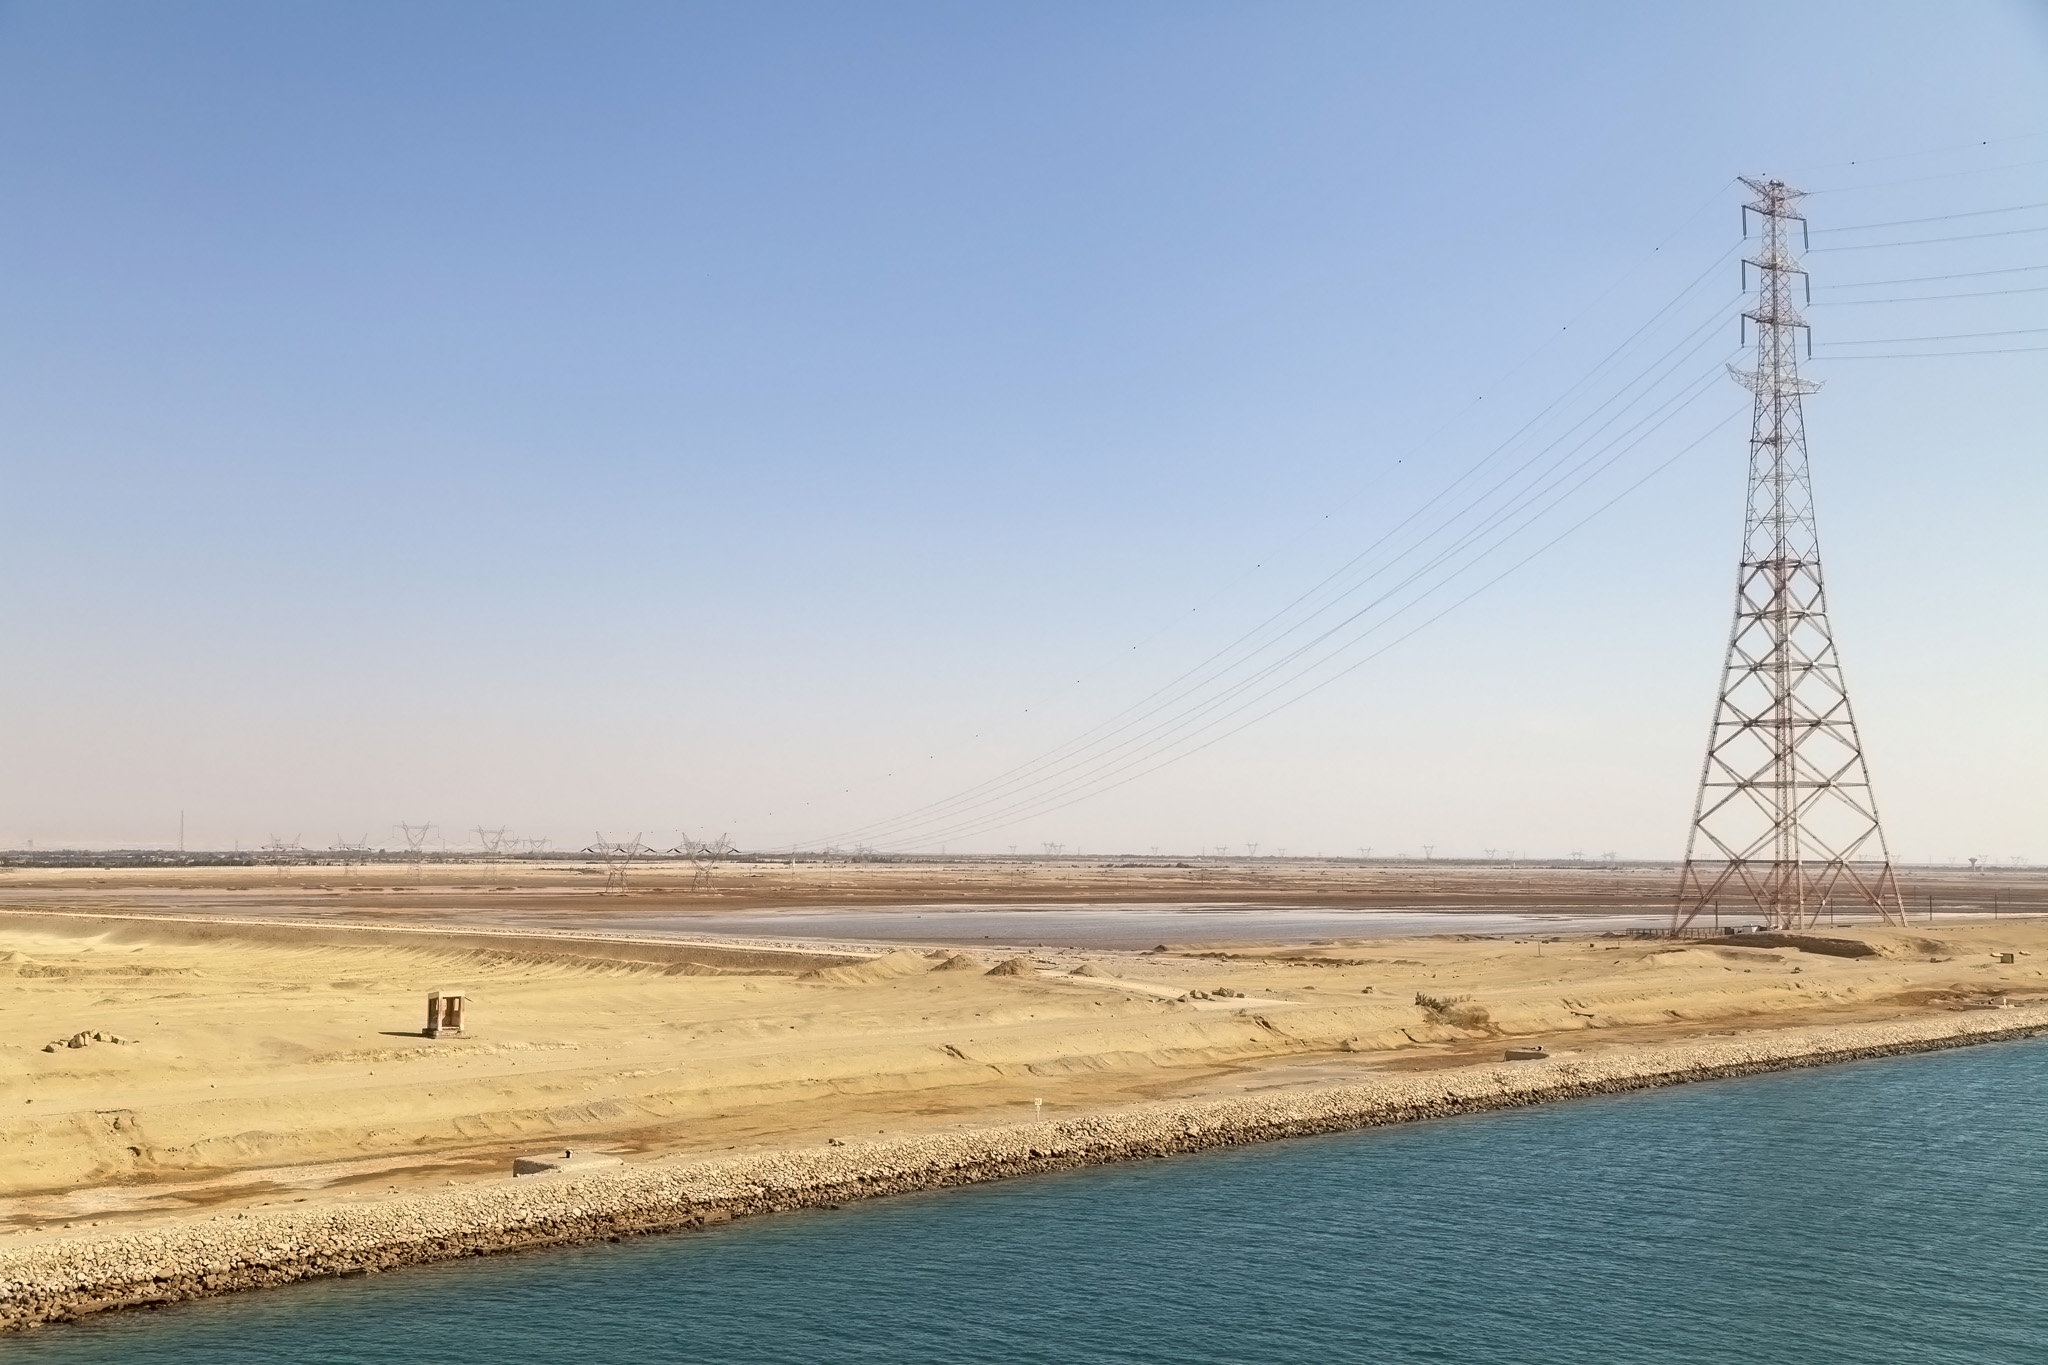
<point x="770" y="418"/>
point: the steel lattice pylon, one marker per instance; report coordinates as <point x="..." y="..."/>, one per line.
<point x="1785" y="823"/>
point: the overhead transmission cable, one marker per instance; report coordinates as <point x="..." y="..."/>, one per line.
<point x="1915" y="222"/>
<point x="1106" y="776"/>
<point x="1138" y="711"/>
<point x="1083" y="763"/>
<point x="1932" y="279"/>
<point x="1034" y="775"/>
<point x="1939" y="355"/>
<point x="1100" y="733"/>
<point x="1933" y="298"/>
<point x="1079" y="769"/>
<point x="1930" y="241"/>
<point x="1414" y="630"/>
<point x="1951" y="336"/>
<point x="1164" y="736"/>
<point x="1501" y="377"/>
<point x="1057" y="765"/>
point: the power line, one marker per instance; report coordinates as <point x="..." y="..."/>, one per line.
<point x="1048" y="766"/>
<point x="1931" y="298"/>
<point x="1951" y="336"/>
<point x="1936" y="355"/>
<point x="1128" y="777"/>
<point x="1932" y="279"/>
<point x="1938" y="218"/>
<point x="1499" y="378"/>
<point x="1080" y="776"/>
<point x="1098" y="754"/>
<point x="1088" y="751"/>
<point x="1087" y="773"/>
<point x="1931" y="241"/>
<point x="1156" y="731"/>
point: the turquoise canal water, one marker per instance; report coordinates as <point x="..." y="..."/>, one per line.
<point x="1887" y="1211"/>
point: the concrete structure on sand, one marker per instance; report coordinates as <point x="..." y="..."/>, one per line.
<point x="444" y="1014"/>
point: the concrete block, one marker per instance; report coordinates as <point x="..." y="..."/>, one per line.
<point x="566" y="1160"/>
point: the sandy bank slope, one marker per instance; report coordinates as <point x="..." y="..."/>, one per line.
<point x="256" y="1057"/>
<point x="57" y="1280"/>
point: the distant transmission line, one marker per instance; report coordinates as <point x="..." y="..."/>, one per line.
<point x="1422" y="556"/>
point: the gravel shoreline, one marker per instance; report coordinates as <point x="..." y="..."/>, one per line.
<point x="64" y="1279"/>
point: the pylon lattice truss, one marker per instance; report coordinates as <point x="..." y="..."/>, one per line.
<point x="1785" y="824"/>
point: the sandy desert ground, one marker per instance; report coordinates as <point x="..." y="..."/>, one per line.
<point x="221" y="1062"/>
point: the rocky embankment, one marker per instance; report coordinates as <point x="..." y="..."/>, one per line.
<point x="58" y="1280"/>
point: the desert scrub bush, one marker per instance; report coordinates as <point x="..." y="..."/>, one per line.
<point x="1455" y="1010"/>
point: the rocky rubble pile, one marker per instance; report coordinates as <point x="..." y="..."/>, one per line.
<point x="84" y="1038"/>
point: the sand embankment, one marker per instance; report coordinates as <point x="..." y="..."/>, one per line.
<point x="260" y="1061"/>
<point x="58" y="1280"/>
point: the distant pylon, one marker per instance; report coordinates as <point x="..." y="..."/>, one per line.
<point x="416" y="847"/>
<point x="705" y="854"/>
<point x="352" y="853"/>
<point x="1785" y="824"/>
<point x="618" y="858"/>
